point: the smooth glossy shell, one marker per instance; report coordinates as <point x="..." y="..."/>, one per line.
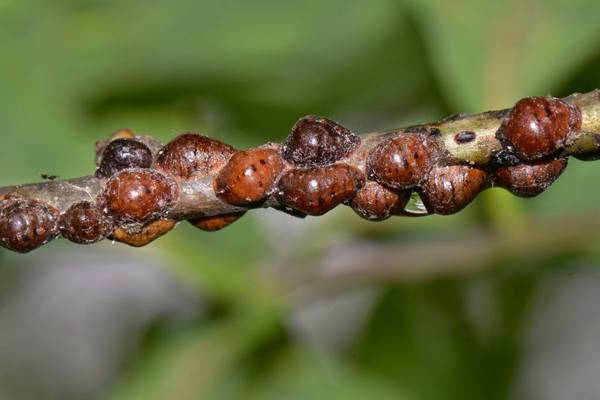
<point x="539" y="126"/>
<point x="529" y="180"/>
<point x="401" y="162"/>
<point x="138" y="195"/>
<point x="192" y="154"/>
<point x="26" y="224"/>
<point x="315" y="191"/>
<point x="249" y="176"/>
<point x="121" y="154"/>
<point x="448" y="190"/>
<point x="318" y="141"/>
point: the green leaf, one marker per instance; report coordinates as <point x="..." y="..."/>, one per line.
<point x="490" y="53"/>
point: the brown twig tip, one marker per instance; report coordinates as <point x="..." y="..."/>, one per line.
<point x="141" y="189"/>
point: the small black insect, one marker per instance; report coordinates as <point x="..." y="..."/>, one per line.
<point x="47" y="177"/>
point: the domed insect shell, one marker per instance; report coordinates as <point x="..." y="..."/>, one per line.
<point x="135" y="197"/>
<point x="249" y="176"/>
<point x="318" y="141"/>
<point x="538" y="127"/>
<point x="529" y="180"/>
<point x="403" y="161"/>
<point x="449" y="189"/>
<point x="192" y="154"/>
<point x="85" y="223"/>
<point x="374" y="202"/>
<point x="140" y="236"/>
<point x="124" y="133"/>
<point x="121" y="154"/>
<point x="152" y="144"/>
<point x="26" y="224"/>
<point x="315" y="191"/>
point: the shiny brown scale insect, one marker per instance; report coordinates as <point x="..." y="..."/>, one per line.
<point x="84" y="223"/>
<point x="27" y="224"/>
<point x="249" y="176"/>
<point x="138" y="195"/>
<point x="318" y="141"/>
<point x="121" y="154"/>
<point x="192" y="154"/>
<point x="447" y="190"/>
<point x="539" y="126"/>
<point x="218" y="222"/>
<point x="377" y="203"/>
<point x="401" y="162"/>
<point x="315" y="191"/>
<point x="149" y="233"/>
<point x="529" y="180"/>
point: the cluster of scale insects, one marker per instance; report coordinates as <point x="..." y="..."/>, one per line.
<point x="321" y="165"/>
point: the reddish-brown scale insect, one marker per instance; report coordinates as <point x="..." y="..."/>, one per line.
<point x="539" y="126"/>
<point x="138" y="195"/>
<point x="26" y="224"/>
<point x="377" y="203"/>
<point x="401" y="162"/>
<point x="84" y="223"/>
<point x="249" y="176"/>
<point x="318" y="141"/>
<point x="192" y="154"/>
<point x="529" y="180"/>
<point x="315" y="191"/>
<point x="149" y="233"/>
<point x="121" y="154"/>
<point x="217" y="222"/>
<point x="448" y="190"/>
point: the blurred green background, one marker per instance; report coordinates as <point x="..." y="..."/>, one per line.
<point x="331" y="307"/>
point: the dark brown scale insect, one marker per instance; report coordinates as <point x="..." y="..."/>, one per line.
<point x="138" y="195"/>
<point x="448" y="190"/>
<point x="249" y="176"/>
<point x="377" y="203"/>
<point x="315" y="191"/>
<point x="121" y="154"/>
<point x="149" y="233"/>
<point x="318" y="141"/>
<point x="539" y="126"/>
<point x="401" y="162"/>
<point x="218" y="222"/>
<point x="26" y="224"/>
<point x="529" y="180"/>
<point x="192" y="154"/>
<point x="84" y="223"/>
<point x="119" y="134"/>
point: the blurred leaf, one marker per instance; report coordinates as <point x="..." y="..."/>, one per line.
<point x="300" y="374"/>
<point x="487" y="54"/>
<point x="451" y="337"/>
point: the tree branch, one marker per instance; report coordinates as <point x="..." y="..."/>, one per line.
<point x="141" y="188"/>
